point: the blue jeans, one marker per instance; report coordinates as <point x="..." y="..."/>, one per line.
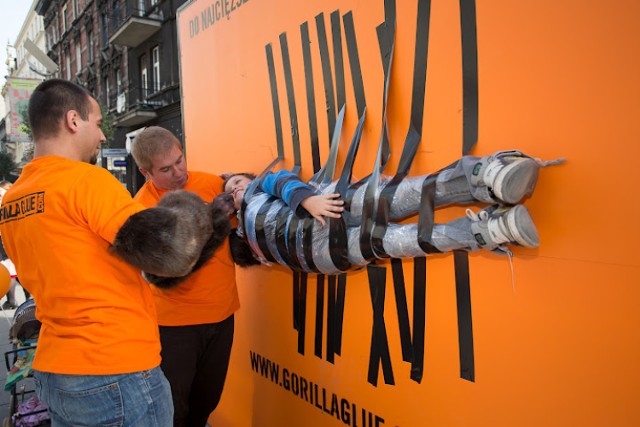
<point x="137" y="399"/>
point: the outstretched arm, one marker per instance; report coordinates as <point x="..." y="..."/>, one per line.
<point x="322" y="205"/>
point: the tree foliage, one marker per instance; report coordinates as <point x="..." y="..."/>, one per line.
<point x="7" y="164"/>
<point x="108" y="126"/>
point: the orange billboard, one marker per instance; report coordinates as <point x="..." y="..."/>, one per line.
<point x="549" y="337"/>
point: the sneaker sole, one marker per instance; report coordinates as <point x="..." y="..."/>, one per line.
<point x="516" y="180"/>
<point x="525" y="232"/>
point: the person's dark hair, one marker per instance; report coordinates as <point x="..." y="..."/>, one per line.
<point x="245" y="174"/>
<point x="50" y="102"/>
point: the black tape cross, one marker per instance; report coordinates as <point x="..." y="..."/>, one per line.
<point x="379" y="353"/>
<point x="402" y="309"/>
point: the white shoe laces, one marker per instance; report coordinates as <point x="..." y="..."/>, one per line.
<point x="475" y="217"/>
<point x="493" y="225"/>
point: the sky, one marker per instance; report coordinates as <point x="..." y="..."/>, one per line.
<point x="12" y="16"/>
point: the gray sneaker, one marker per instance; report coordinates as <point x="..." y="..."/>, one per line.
<point x="495" y="226"/>
<point x="510" y="175"/>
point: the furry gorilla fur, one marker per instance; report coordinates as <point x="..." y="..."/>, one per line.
<point x="175" y="238"/>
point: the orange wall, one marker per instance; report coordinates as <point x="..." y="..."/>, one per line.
<point x="556" y="78"/>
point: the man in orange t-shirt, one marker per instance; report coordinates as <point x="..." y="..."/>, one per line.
<point x="195" y="317"/>
<point x="98" y="354"/>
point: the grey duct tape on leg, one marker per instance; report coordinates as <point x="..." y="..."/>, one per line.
<point x="250" y="214"/>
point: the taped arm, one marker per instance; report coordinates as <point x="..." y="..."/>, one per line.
<point x="288" y="187"/>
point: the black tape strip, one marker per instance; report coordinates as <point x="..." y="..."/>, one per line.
<point x="369" y="209"/>
<point x="327" y="76"/>
<point x="307" y="237"/>
<point x="302" y="310"/>
<point x="293" y="115"/>
<point x="296" y="299"/>
<point x="469" y="75"/>
<point x="253" y="187"/>
<point x="379" y="353"/>
<point x="261" y="237"/>
<point x="325" y="175"/>
<point x="311" y="98"/>
<point x="282" y="237"/>
<point x="331" y="318"/>
<point x="419" y="316"/>
<point x="469" y="140"/>
<point x="338" y="61"/>
<point x="291" y="242"/>
<point x="414" y="135"/>
<point x="319" y="315"/>
<point x="340" y="299"/>
<point x="465" y="324"/>
<point x="277" y="118"/>
<point x="402" y="309"/>
<point x="426" y="216"/>
<point x="386" y="37"/>
<point x="354" y="62"/>
<point x="342" y="186"/>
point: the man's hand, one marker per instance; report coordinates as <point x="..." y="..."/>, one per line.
<point x="323" y="205"/>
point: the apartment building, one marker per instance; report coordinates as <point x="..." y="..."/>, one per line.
<point x="125" y="53"/>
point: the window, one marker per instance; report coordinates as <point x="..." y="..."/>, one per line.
<point x="105" y="38"/>
<point x="90" y="46"/>
<point x="144" y="76"/>
<point x="68" y="66"/>
<point x="107" y="92"/>
<point x="78" y="57"/>
<point x="54" y="32"/>
<point x="155" y="57"/>
<point x="76" y="12"/>
<point x="64" y="19"/>
<point x="119" y="81"/>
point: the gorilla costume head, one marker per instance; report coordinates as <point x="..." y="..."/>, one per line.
<point x="175" y="238"/>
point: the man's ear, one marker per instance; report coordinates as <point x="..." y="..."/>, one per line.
<point x="71" y="120"/>
<point x="144" y="173"/>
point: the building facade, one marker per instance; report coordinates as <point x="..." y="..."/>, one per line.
<point x="24" y="74"/>
<point x="125" y="53"/>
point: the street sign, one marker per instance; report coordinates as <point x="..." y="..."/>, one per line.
<point x="114" y="152"/>
<point x="120" y="163"/>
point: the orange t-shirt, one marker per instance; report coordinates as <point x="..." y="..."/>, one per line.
<point x="210" y="294"/>
<point x="97" y="313"/>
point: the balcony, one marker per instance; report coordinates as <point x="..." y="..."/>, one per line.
<point x="131" y="25"/>
<point x="139" y="105"/>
